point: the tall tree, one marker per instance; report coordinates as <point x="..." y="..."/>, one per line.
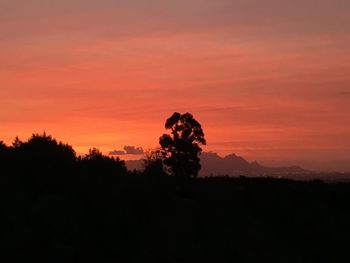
<point x="181" y="148"/>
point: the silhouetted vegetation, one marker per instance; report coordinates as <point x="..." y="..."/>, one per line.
<point x="57" y="207"/>
<point x="181" y="148"/>
<point x="98" y="164"/>
<point x="153" y="163"/>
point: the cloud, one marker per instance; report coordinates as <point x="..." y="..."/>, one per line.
<point x="343" y="93"/>
<point x="117" y="152"/>
<point x="133" y="150"/>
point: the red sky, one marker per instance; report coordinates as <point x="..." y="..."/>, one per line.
<point x="268" y="80"/>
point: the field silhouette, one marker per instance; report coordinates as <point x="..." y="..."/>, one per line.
<point x="58" y="207"/>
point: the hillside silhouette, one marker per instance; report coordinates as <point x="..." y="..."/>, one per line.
<point x="58" y="207"/>
<point x="233" y="165"/>
<point x="236" y="165"/>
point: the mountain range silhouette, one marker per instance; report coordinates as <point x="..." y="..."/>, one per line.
<point x="232" y="164"/>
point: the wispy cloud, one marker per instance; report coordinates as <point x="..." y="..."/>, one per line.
<point x="117" y="152"/>
<point x="343" y="93"/>
<point x="102" y="73"/>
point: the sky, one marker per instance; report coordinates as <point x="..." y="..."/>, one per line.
<point x="268" y="80"/>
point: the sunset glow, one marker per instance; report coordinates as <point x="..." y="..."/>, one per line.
<point x="265" y="83"/>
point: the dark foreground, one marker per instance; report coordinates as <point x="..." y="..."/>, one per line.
<point x="138" y="218"/>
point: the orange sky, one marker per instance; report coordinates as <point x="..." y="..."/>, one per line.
<point x="268" y="80"/>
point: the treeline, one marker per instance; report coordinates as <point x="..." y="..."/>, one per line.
<point x="59" y="207"/>
<point x="42" y="153"/>
<point x="43" y="164"/>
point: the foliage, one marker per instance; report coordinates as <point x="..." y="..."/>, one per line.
<point x="153" y="163"/>
<point x="97" y="163"/>
<point x="42" y="152"/>
<point x="181" y="148"/>
<point x="3" y="147"/>
<point x="4" y="154"/>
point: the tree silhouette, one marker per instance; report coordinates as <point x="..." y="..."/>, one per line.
<point x="181" y="148"/>
<point x="153" y="163"/>
<point x="4" y="150"/>
<point x="41" y="164"/>
<point x="17" y="142"/>
<point x="97" y="163"/>
<point x="44" y="151"/>
<point x="3" y="147"/>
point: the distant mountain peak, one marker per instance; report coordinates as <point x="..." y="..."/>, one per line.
<point x="232" y="164"/>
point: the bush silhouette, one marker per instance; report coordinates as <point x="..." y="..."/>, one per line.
<point x="181" y="148"/>
<point x="3" y="146"/>
<point x="3" y="149"/>
<point x="153" y="163"/>
<point x="4" y="155"/>
<point x="97" y="163"/>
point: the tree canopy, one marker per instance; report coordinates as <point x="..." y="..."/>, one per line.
<point x="181" y="148"/>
